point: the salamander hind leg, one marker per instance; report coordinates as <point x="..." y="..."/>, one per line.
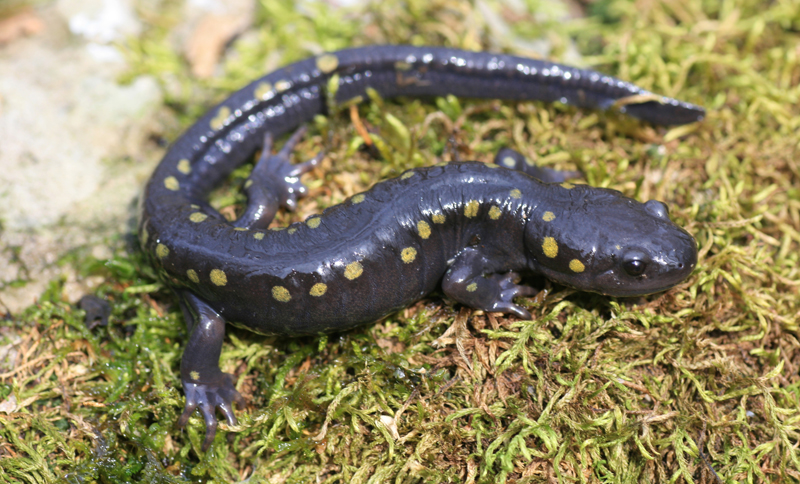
<point x="466" y="282"/>
<point x="206" y="386"/>
<point x="274" y="183"/>
<point x="514" y="160"/>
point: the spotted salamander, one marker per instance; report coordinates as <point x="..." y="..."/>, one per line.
<point x="468" y="228"/>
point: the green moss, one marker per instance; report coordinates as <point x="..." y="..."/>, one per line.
<point x="699" y="382"/>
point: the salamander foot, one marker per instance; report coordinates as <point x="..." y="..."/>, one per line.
<point x="274" y="182"/>
<point x="509" y="289"/>
<point x="209" y="396"/>
<point x="466" y="281"/>
<point x="206" y="386"/>
<point x="279" y="166"/>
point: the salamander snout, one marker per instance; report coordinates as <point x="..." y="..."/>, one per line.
<point x="650" y="264"/>
<point x="608" y="243"/>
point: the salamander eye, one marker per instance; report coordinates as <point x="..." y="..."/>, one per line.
<point x="634" y="267"/>
<point x="634" y="262"/>
<point x="658" y="209"/>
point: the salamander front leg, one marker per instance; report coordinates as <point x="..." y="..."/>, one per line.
<point x="514" y="160"/>
<point x="204" y="383"/>
<point x="274" y="183"/>
<point x="466" y="283"/>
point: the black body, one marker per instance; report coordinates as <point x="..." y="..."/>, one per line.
<point x="469" y="228"/>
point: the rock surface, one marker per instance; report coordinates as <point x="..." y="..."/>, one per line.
<point x="71" y="155"/>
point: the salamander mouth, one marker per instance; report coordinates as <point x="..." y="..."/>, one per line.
<point x="614" y="282"/>
<point x="639" y="291"/>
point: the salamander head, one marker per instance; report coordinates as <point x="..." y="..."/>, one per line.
<point x="602" y="241"/>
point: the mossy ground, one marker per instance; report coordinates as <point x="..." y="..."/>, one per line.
<point x="696" y="385"/>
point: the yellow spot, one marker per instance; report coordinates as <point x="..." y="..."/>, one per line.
<point x="258" y="235"/>
<point x="550" y="247"/>
<point x="218" y="277"/>
<point x="408" y="255"/>
<point x="548" y="216"/>
<point x="194" y="375"/>
<point x="515" y="193"/>
<point x="313" y="222"/>
<point x="357" y="198"/>
<point x="438" y="218"/>
<point x="277" y="229"/>
<point x="529" y="161"/>
<point x="618" y="247"/>
<point x="292" y="230"/>
<point x="576" y="265"/>
<point x="567" y="185"/>
<point x="492" y="165"/>
<point x="509" y="162"/>
<point x="172" y="183"/>
<point x="219" y="120"/>
<point x="318" y="289"/>
<point x="281" y="294"/>
<point x="162" y="251"/>
<point x="472" y="287"/>
<point x="353" y="270"/>
<point x="407" y="175"/>
<point x="248" y="184"/>
<point x="494" y="213"/>
<point x="263" y="90"/>
<point x="423" y="229"/>
<point x="281" y="86"/>
<point x="184" y="166"/>
<point x="144" y="234"/>
<point x="198" y="217"/>
<point x="402" y="66"/>
<point x="240" y="229"/>
<point x="471" y="209"/>
<point x="192" y="275"/>
<point x="195" y="206"/>
<point x="327" y="63"/>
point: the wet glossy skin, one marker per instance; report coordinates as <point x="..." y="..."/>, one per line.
<point x="469" y="228"/>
